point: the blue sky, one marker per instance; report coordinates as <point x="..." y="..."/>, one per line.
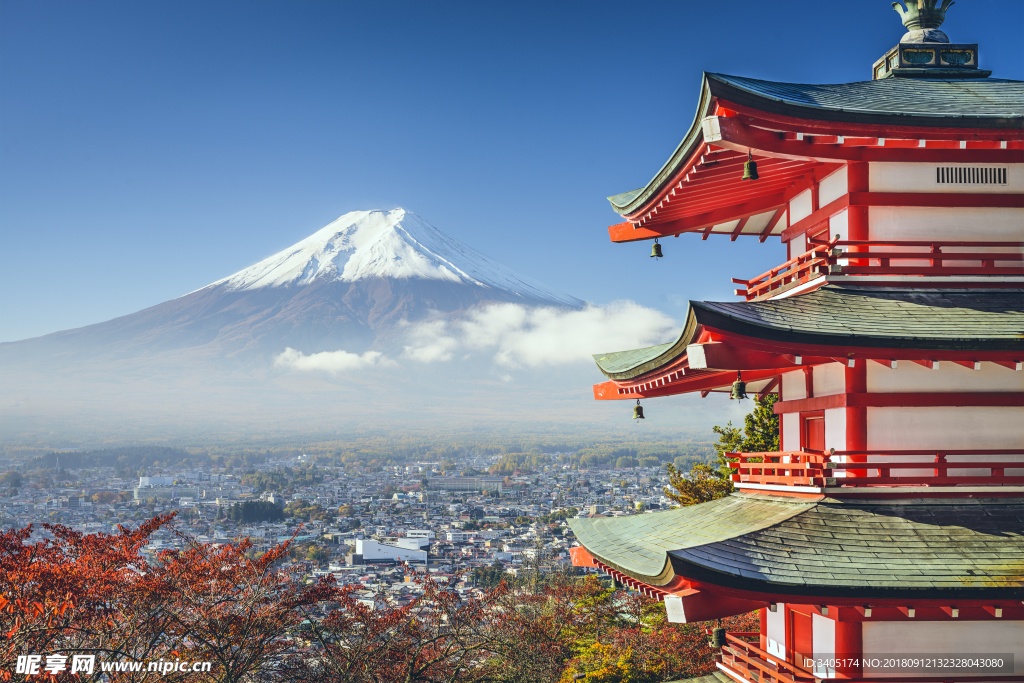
<point x="147" y="149"/>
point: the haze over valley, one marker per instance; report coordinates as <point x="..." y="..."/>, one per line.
<point x="378" y="317"/>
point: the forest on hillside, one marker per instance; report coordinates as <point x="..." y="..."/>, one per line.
<point x="512" y="453"/>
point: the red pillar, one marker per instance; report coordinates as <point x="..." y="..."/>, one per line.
<point x="857" y="180"/>
<point x="857" y="418"/>
<point x="849" y="646"/>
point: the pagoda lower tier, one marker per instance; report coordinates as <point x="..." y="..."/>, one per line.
<point x="850" y="589"/>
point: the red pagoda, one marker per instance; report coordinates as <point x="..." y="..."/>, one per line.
<point x="885" y="541"/>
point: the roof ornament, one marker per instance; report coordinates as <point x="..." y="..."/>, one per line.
<point x="922" y="19"/>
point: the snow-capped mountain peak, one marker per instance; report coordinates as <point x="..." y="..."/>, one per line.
<point x="397" y="244"/>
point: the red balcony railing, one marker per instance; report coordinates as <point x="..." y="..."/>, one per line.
<point x="746" y="661"/>
<point x="754" y="664"/>
<point x="864" y="468"/>
<point x="888" y="258"/>
<point x="791" y="273"/>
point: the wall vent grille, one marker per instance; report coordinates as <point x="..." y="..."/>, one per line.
<point x="970" y="175"/>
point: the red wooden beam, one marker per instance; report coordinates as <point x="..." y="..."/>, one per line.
<point x="901" y="400"/>
<point x="766" y="233"/>
<point x="704" y="381"/>
<point x="739" y="228"/>
<point x="626" y="232"/>
<point x="851" y="350"/>
<point x="723" y="356"/>
<point x="927" y="199"/>
<point x="768" y="120"/>
<point x="770" y="387"/>
<point x="733" y="133"/>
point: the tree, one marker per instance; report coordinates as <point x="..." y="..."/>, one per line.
<point x="762" y="426"/>
<point x="704" y="482"/>
<point x="317" y="554"/>
<point x="99" y="594"/>
<point x="700" y="485"/>
<point x="13" y="479"/>
<point x="255" y="511"/>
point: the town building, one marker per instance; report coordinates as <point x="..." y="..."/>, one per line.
<point x="885" y="539"/>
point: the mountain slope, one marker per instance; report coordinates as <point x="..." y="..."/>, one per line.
<point x="365" y="245"/>
<point x="351" y="285"/>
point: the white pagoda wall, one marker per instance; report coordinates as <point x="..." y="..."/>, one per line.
<point x="887" y="176"/>
<point x="959" y="224"/>
<point x="911" y="377"/>
<point x="915" y="428"/>
<point x="945" y="638"/>
<point x="918" y="223"/>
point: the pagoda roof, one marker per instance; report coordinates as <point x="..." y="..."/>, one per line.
<point x="868" y="317"/>
<point x="908" y="102"/>
<point x="964" y="548"/>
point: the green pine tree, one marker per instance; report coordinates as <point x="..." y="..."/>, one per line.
<point x="704" y="482"/>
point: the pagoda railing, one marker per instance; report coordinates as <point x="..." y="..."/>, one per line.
<point x="864" y="469"/>
<point x="746" y="661"/>
<point x="888" y="258"/>
<point x="754" y="664"/>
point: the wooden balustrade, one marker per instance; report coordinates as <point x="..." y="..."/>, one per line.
<point x="806" y="468"/>
<point x="886" y="258"/>
<point x="747" y="661"/>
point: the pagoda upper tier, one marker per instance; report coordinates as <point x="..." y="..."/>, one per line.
<point x="827" y="325"/>
<point x="800" y="134"/>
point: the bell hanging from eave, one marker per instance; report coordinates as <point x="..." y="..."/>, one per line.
<point x="638" y="411"/>
<point x="739" y="388"/>
<point x="750" y="168"/>
<point x="656" y="250"/>
<point x="717" y="637"/>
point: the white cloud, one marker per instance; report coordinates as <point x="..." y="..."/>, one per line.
<point x="430" y="342"/>
<point x="331" y="361"/>
<point x="534" y="337"/>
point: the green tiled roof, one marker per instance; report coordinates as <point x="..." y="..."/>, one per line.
<point x="954" y="103"/>
<point x="966" y="549"/>
<point x="968" y="320"/>
<point x="638" y="545"/>
<point x="994" y="98"/>
<point x="972" y="320"/>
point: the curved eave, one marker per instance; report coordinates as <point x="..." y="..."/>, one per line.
<point x="727" y="88"/>
<point x="626" y="365"/>
<point x="931" y="321"/>
<point x="990" y="322"/>
<point x="630" y="202"/>
<point x="639" y="545"/>
<point x="732" y="89"/>
<point x="764" y="545"/>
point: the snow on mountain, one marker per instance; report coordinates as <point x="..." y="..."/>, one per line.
<point x="397" y="244"/>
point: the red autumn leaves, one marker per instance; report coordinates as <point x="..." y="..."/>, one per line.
<point x="99" y="595"/>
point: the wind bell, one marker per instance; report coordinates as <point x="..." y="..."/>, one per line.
<point x="638" y="411"/>
<point x="656" y="250"/>
<point x="739" y="388"/>
<point x="750" y="168"/>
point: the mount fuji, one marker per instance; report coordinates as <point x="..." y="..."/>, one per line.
<point x="355" y="284"/>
